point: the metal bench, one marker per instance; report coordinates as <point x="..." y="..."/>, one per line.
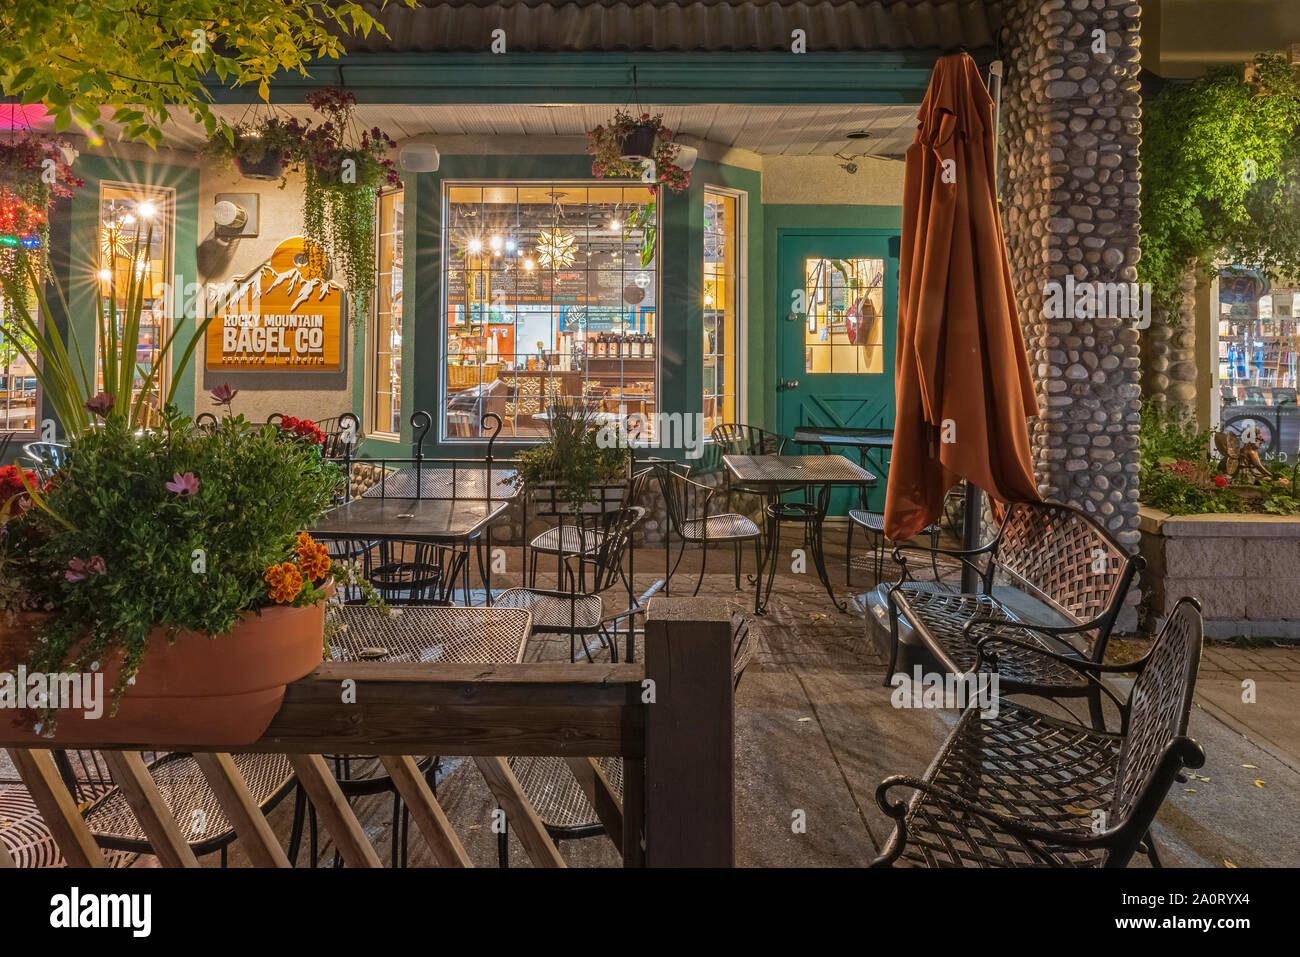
<point x="1052" y="556"/>
<point x="1018" y="788"/>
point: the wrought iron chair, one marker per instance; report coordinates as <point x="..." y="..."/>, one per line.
<point x="203" y="823"/>
<point x="874" y="524"/>
<point x="1054" y="555"/>
<point x="46" y="458"/>
<point x="734" y="439"/>
<point x="1018" y="788"/>
<point x="687" y="503"/>
<point x="580" y="610"/>
<point x="555" y="794"/>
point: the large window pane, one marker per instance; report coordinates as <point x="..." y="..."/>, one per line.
<point x="550" y="295"/>
<point x="18" y="390"/>
<point x="723" y="307"/>
<point x="845" y="306"/>
<point x="135" y="235"/>
<point x="386" y="343"/>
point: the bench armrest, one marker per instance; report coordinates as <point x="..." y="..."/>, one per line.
<point x="963" y="556"/>
<point x="1091" y="671"/>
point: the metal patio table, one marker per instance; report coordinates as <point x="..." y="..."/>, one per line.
<point x="439" y="521"/>
<point x="429" y="633"/>
<point x="817" y="474"/>
<point x="447" y="482"/>
<point x="873" y="445"/>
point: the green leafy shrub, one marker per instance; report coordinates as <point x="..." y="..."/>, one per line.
<point x="572" y="458"/>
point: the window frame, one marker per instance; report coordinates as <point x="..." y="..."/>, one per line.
<point x="447" y="185"/>
<point x="34" y="433"/>
<point x="371" y="376"/>
<point x="742" y="297"/>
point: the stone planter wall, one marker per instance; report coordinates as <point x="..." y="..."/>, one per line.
<point x="1244" y="569"/>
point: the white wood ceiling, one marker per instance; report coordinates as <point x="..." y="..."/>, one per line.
<point x="768" y="130"/>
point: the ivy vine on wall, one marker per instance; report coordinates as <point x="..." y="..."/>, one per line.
<point x="1221" y="176"/>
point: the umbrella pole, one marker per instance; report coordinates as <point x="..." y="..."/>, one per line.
<point x="974" y="510"/>
<point x="970" y="533"/>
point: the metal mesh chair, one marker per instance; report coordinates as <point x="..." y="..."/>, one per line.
<point x="1017" y="788"/>
<point x="874" y="524"/>
<point x="46" y="458"/>
<point x="1053" y="554"/>
<point x="555" y="794"/>
<point x="687" y="504"/>
<point x="734" y="439"/>
<point x="185" y="790"/>
<point x="580" y="610"/>
<point x="584" y="535"/>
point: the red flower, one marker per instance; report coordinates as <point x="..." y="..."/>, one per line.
<point x="14" y="497"/>
<point x="302" y="428"/>
<point x="1220" y="480"/>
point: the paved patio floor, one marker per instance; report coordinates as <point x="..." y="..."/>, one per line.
<point x="815" y="734"/>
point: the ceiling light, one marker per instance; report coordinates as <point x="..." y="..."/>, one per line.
<point x="495" y="243"/>
<point x="146" y="209"/>
<point x="476" y="245"/>
<point x="858" y="135"/>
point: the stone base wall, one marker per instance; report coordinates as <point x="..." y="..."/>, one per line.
<point x="1244" y="570"/>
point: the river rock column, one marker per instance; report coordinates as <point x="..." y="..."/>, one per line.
<point x="1071" y="127"/>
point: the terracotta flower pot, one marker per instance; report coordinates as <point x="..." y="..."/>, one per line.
<point x="639" y="143"/>
<point x="199" y="690"/>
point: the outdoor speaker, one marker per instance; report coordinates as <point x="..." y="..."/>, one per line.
<point x="418" y="155"/>
<point x="686" y="157"/>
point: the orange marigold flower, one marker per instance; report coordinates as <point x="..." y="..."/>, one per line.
<point x="315" y="564"/>
<point x="285" y="581"/>
<point x="305" y="544"/>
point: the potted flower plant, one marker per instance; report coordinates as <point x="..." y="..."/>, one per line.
<point x="621" y="148"/>
<point x="173" y="562"/>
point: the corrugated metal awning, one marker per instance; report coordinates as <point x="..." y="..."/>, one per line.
<point x="669" y="25"/>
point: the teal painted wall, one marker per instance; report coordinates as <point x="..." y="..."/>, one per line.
<point x="84" y="252"/>
<point x="776" y="218"/>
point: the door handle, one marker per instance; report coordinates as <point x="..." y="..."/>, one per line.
<point x="795" y="317"/>
<point x="786" y="385"/>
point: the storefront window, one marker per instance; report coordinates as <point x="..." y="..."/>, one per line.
<point x="845" y="305"/>
<point x="386" y="343"/>
<point x="550" y="293"/>
<point x="1257" y="332"/>
<point x="19" y="395"/>
<point x="723" y="306"/>
<point x="135" y="234"/>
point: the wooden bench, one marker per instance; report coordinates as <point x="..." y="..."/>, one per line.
<point x="1054" y="557"/>
<point x="1018" y="788"/>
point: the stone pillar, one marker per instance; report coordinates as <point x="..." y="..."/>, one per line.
<point x="1169" y="368"/>
<point x="1070" y="135"/>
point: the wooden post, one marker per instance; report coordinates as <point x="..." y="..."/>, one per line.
<point x="690" y="731"/>
<point x="58" y="810"/>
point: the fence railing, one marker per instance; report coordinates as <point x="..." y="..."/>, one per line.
<point x="670" y="719"/>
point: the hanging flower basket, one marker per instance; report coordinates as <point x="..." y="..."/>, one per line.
<point x="624" y="146"/>
<point x="26" y="192"/>
<point x="269" y="167"/>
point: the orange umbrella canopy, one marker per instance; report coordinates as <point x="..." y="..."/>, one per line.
<point x="961" y="377"/>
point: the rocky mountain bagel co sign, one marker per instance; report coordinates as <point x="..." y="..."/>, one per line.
<point x="284" y="317"/>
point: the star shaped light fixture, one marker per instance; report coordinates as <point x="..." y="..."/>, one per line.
<point x="556" y="249"/>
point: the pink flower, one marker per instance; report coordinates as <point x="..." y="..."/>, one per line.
<point x="185" y="484"/>
<point x="79" y="570"/>
<point x="100" y="405"/>
<point x="224" y="394"/>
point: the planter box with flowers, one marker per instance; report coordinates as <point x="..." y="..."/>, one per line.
<point x="1225" y="530"/>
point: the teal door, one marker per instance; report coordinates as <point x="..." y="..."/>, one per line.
<point x="837" y="319"/>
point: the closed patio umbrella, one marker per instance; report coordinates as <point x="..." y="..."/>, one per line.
<point x="961" y="377"/>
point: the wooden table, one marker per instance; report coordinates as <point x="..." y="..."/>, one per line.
<point x="817" y="474"/>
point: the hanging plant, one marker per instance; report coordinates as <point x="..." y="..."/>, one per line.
<point x="264" y="150"/>
<point x="33" y="170"/>
<point x="345" y="170"/>
<point x="622" y="149"/>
